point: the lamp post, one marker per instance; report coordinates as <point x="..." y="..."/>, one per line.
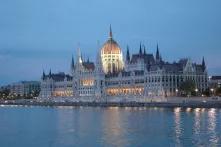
<point x="177" y="92"/>
<point x="212" y="91"/>
<point x="196" y="90"/>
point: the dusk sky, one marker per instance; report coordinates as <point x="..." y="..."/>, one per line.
<point x="44" y="34"/>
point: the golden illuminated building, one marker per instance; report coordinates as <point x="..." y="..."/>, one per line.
<point x="65" y="93"/>
<point x="87" y="82"/>
<point x="141" y="75"/>
<point x="125" y="91"/>
<point x="111" y="56"/>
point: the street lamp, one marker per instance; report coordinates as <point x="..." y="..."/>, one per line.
<point x="212" y="90"/>
<point x="196" y="90"/>
<point x="177" y="91"/>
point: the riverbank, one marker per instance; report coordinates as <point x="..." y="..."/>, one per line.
<point x="169" y="102"/>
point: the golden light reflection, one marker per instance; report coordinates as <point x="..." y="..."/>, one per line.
<point x="197" y="124"/>
<point x="177" y="110"/>
<point x="113" y="127"/>
<point x="197" y="109"/>
<point x="213" y="139"/>
<point x="188" y="109"/>
<point x="178" y="130"/>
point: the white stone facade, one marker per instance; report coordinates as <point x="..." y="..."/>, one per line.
<point x="144" y="75"/>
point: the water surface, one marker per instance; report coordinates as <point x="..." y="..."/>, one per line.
<point x="112" y="126"/>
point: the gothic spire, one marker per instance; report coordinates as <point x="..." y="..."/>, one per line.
<point x="43" y="75"/>
<point x="128" y="54"/>
<point x="144" y="50"/>
<point x="72" y="63"/>
<point x="140" y="52"/>
<point x="50" y="73"/>
<point x="79" y="56"/>
<point x="203" y="64"/>
<point x="157" y="54"/>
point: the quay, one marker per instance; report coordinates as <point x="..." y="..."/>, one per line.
<point x="211" y="102"/>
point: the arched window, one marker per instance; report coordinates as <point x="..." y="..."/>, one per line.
<point x="114" y="67"/>
<point x="109" y="67"/>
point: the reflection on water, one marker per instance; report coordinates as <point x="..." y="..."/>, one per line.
<point x="177" y="128"/>
<point x="213" y="139"/>
<point x="112" y="126"/>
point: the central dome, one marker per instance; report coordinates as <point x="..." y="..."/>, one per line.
<point x="111" y="56"/>
<point x="111" y="47"/>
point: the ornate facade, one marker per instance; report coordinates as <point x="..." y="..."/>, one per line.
<point x="140" y="75"/>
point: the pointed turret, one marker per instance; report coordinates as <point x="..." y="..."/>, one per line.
<point x="50" y="74"/>
<point x="128" y="55"/>
<point x="144" y="50"/>
<point x="157" y="54"/>
<point x="79" y="56"/>
<point x="43" y="75"/>
<point x="72" y="63"/>
<point x="203" y="64"/>
<point x="140" y="52"/>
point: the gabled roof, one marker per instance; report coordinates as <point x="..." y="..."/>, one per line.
<point x="216" y="77"/>
<point x="148" y="58"/>
<point x="59" y="76"/>
<point x="89" y="65"/>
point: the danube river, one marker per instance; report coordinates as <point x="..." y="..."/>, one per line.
<point x="112" y="126"/>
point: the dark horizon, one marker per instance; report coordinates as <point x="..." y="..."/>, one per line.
<point x="37" y="35"/>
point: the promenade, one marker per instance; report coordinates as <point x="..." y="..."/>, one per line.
<point x="193" y="102"/>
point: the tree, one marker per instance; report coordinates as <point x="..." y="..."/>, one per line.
<point x="206" y="92"/>
<point x="4" y="93"/>
<point x="218" y="91"/>
<point x="187" y="87"/>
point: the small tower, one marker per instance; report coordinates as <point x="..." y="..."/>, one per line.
<point x="203" y="64"/>
<point x="128" y="55"/>
<point x="157" y="55"/>
<point x="72" y="63"/>
<point x="140" y="52"/>
<point x="144" y="50"/>
<point x="50" y="75"/>
<point x="79" y="56"/>
<point x="43" y="75"/>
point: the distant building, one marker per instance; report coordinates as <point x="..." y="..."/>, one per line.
<point x="141" y="75"/>
<point x="215" y="81"/>
<point x="24" y="88"/>
<point x="58" y="84"/>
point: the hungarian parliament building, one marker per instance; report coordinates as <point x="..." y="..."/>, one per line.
<point x="114" y="75"/>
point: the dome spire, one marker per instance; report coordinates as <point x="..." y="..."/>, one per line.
<point x="110" y="33"/>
